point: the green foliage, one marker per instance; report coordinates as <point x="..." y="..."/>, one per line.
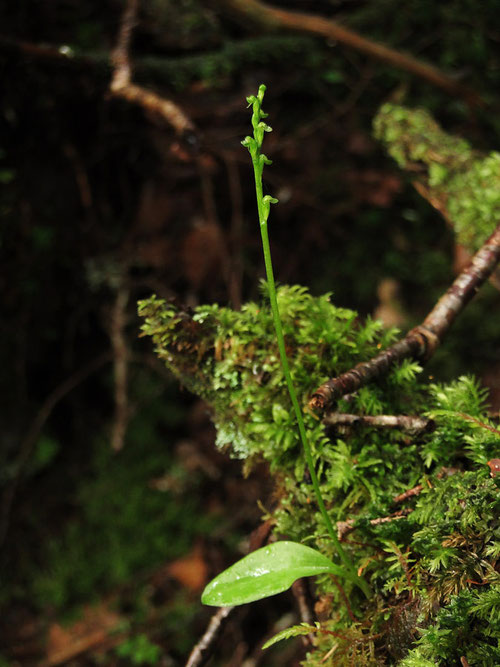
<point x="474" y="200"/>
<point x="265" y="572"/>
<point x="253" y="578"/>
<point x="434" y="553"/>
<point x="458" y="411"/>
<point x="46" y="450"/>
<point x="457" y="529"/>
<point x="468" y="626"/>
<point x="231" y="359"/>
<point x="139" y="650"/>
<point x="341" y="643"/>
<point x="294" y="631"/>
<point x="431" y="561"/>
<point x="412" y="136"/>
<point x="461" y="183"/>
<point x="133" y="534"/>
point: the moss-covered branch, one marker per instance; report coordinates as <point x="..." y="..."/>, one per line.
<point x="460" y="182"/>
<point x="445" y="536"/>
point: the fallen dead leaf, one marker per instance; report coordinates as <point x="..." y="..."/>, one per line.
<point x="92" y="630"/>
<point x="190" y="570"/>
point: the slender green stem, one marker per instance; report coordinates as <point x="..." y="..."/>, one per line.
<point x="263" y="204"/>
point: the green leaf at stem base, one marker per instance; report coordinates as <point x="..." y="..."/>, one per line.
<point x="265" y="572"/>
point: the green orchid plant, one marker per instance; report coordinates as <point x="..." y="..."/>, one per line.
<point x="274" y="568"/>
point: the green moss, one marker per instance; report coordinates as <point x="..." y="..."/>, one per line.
<point x="412" y="136"/>
<point x="463" y="184"/>
<point x="418" y="565"/>
<point x="468" y="626"/>
<point x="121" y="524"/>
<point x="474" y="200"/>
<point x="230" y="358"/>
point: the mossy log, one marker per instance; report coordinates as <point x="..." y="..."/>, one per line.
<point x="422" y="507"/>
<point x="463" y="184"/>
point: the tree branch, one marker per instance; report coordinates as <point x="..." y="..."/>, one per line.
<point x="122" y="75"/>
<point x="422" y="341"/>
<point x="121" y="82"/>
<point x="272" y="18"/>
<point x="56" y="55"/>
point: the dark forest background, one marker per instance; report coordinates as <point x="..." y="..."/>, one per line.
<point x="116" y="508"/>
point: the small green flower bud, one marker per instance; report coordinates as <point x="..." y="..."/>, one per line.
<point x="271" y="200"/>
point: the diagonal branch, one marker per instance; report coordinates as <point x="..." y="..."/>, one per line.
<point x="421" y="342"/>
<point x="121" y="82"/>
<point x="273" y="18"/>
<point x="202" y="651"/>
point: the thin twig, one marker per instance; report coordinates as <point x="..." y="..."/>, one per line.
<point x="50" y="54"/>
<point x="407" y="494"/>
<point x="346" y="527"/>
<point x="120" y="361"/>
<point x="421" y="342"/>
<point x="479" y="423"/>
<point x="444" y="472"/>
<point x="201" y="652"/>
<point x="403" y="422"/>
<point x="273" y="18"/>
<point x="301" y="594"/>
<point x="121" y="82"/>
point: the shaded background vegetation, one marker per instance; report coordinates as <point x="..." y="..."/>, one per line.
<point x="116" y="508"/>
